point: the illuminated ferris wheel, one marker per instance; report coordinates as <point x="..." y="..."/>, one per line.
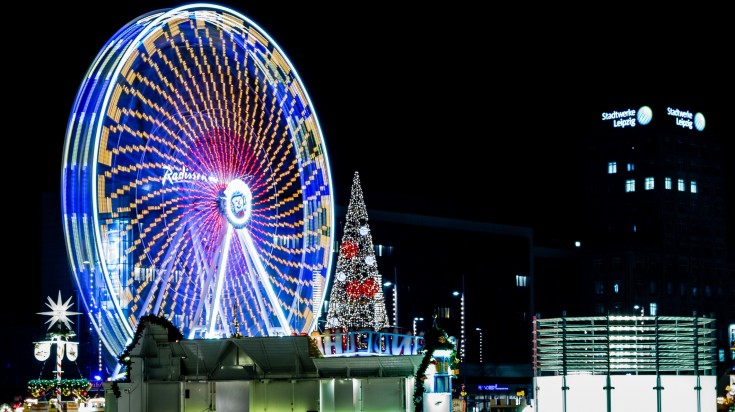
<point x="196" y="183"/>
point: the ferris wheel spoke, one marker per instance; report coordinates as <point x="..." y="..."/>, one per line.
<point x="260" y="280"/>
<point x="205" y="267"/>
<point x="163" y="275"/>
<point x="219" y="280"/>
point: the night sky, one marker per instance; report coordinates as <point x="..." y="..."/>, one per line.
<point x="465" y="111"/>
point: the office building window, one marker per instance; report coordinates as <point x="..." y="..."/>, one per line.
<point x="631" y="167"/>
<point x="680" y="185"/>
<point x="599" y="288"/>
<point x="667" y="183"/>
<point x="693" y="187"/>
<point x="652" y="309"/>
<point x="521" y="281"/>
<point x="630" y="185"/>
<point x="669" y="288"/>
<point x="382" y="250"/>
<point x="652" y="286"/>
<point x="616" y="287"/>
<point x="648" y="185"/>
<point x="612" y="168"/>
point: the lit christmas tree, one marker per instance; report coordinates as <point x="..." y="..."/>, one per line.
<point x="356" y="299"/>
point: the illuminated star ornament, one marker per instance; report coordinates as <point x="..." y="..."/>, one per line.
<point x="59" y="312"/>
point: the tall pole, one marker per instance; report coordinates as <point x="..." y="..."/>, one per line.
<point x="59" y="358"/>
<point x="462" y="340"/>
<point x="480" y="330"/>
<point x="482" y="370"/>
<point x="395" y="297"/>
<point x="461" y="321"/>
<point x="414" y="324"/>
<point x="394" y="293"/>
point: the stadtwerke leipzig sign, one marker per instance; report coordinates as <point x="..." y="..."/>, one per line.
<point x="644" y="115"/>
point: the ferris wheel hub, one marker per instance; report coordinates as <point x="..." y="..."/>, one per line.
<point x="237" y="203"/>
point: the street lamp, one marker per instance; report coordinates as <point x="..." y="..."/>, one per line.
<point x="482" y="370"/>
<point x="461" y="333"/>
<point x="414" y="324"/>
<point x="395" y="300"/>
<point x="480" y="330"/>
<point x="461" y="321"/>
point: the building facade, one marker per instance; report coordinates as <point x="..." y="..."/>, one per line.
<point x="656" y="225"/>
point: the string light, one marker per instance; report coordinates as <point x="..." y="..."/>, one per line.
<point x="357" y="299"/>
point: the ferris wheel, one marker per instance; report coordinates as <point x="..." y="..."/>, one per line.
<point x="196" y="183"/>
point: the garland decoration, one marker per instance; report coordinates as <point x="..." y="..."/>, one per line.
<point x="174" y="335"/>
<point x="40" y="387"/>
<point x="435" y="339"/>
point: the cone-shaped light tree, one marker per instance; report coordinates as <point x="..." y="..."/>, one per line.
<point x="356" y="298"/>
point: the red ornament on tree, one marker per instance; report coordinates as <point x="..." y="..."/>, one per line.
<point x="353" y="289"/>
<point x="369" y="287"/>
<point x="349" y="249"/>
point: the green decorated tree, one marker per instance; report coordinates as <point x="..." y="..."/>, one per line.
<point x="356" y="299"/>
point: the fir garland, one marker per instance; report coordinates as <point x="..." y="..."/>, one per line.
<point x="435" y="339"/>
<point x="41" y="387"/>
<point x="174" y="335"/>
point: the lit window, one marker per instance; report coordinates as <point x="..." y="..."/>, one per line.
<point x="631" y="167"/>
<point x="521" y="281"/>
<point x="616" y="288"/>
<point x="630" y="185"/>
<point x="382" y="250"/>
<point x="693" y="187"/>
<point x="649" y="183"/>
<point x="612" y="168"/>
<point x="680" y="185"/>
<point x="667" y="183"/>
<point x="653" y="309"/>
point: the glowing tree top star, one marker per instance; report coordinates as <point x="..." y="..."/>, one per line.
<point x="59" y="313"/>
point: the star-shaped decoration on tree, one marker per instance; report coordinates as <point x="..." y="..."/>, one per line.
<point x="59" y="312"/>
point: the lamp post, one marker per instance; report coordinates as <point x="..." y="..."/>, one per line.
<point x="480" y="330"/>
<point x="482" y="370"/>
<point x="414" y="324"/>
<point x="461" y="321"/>
<point x="394" y="288"/>
<point x="461" y="333"/>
